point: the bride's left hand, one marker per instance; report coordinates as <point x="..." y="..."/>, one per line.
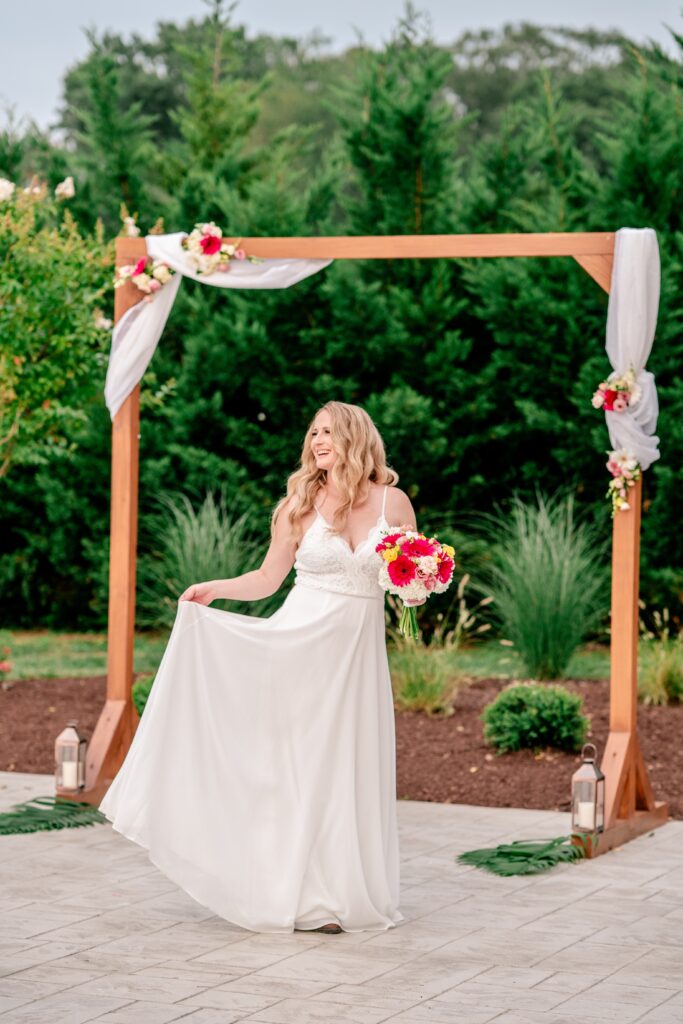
<point x="200" y="593"/>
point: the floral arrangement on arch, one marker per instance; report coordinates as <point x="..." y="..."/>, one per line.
<point x="617" y="393"/>
<point x="148" y="275"/>
<point x="209" y="252"/>
<point x="625" y="470"/>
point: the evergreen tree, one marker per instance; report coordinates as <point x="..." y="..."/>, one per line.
<point x="114" y="160"/>
<point x="643" y="145"/>
<point x="395" y="347"/>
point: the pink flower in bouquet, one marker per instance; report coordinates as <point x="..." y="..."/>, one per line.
<point x="401" y="571"/>
<point x="154" y="285"/>
<point x="416" y="546"/>
<point x="388" y="541"/>
<point x="598" y="399"/>
<point x="444" y="570"/>
<point x="240" y="254"/>
<point x="140" y="267"/>
<point x="210" y="244"/>
<point x="619" y="404"/>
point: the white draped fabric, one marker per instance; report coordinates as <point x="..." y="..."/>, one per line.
<point x="631" y="322"/>
<point x="137" y="333"/>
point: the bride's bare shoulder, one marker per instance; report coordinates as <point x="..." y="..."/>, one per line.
<point x="399" y="508"/>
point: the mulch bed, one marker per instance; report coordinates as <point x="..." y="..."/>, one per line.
<point x="443" y="759"/>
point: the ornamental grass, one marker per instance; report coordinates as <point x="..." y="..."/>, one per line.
<point x="548" y="576"/>
<point x="192" y="546"/>
<point x="421" y="678"/>
<point x="660" y="676"/>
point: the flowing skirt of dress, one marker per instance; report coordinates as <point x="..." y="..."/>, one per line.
<point x="261" y="778"/>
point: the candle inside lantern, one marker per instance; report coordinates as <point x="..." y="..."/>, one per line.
<point x="70" y="774"/>
<point x="585" y="814"/>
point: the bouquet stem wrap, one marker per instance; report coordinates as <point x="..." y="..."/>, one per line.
<point x="407" y="624"/>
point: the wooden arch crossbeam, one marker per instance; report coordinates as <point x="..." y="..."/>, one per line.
<point x="630" y="805"/>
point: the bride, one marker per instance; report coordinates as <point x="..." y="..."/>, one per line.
<point x="261" y="778"/>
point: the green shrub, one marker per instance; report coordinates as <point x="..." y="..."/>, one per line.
<point x="660" y="676"/>
<point x="191" y="547"/>
<point x="548" y="580"/>
<point x="141" y="691"/>
<point x="420" y="678"/>
<point x="530" y="715"/>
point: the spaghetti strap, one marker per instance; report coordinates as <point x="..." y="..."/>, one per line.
<point x="384" y="499"/>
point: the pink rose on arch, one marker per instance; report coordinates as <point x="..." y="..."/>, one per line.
<point x="210" y="245"/>
<point x="619" y="404"/>
<point x="610" y="395"/>
<point x="240" y="254"/>
<point x="154" y="285"/>
<point x="613" y="467"/>
<point x="140" y="266"/>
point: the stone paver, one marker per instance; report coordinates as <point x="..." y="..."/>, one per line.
<point x="91" y="931"/>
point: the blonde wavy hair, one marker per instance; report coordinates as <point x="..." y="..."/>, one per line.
<point x="361" y="459"/>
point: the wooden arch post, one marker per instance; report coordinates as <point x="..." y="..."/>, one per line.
<point x="630" y="806"/>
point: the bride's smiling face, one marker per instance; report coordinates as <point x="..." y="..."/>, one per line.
<point x="321" y="441"/>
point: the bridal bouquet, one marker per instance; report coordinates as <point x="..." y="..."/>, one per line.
<point x="413" y="566"/>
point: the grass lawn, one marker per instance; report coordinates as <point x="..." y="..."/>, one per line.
<point x="44" y="654"/>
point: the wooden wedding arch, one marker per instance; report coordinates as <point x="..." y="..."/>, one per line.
<point x="630" y="805"/>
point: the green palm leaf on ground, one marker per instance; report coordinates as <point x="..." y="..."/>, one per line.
<point x="524" y="857"/>
<point x="46" y="812"/>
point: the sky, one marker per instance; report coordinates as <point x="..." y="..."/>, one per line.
<point x="40" y="39"/>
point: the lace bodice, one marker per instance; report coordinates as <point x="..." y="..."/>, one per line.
<point x="325" y="560"/>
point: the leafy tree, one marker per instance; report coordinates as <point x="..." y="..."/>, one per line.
<point x="52" y="285"/>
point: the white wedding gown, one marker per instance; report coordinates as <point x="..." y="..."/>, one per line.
<point x="262" y="777"/>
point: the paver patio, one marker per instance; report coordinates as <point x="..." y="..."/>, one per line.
<point x="90" y="930"/>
